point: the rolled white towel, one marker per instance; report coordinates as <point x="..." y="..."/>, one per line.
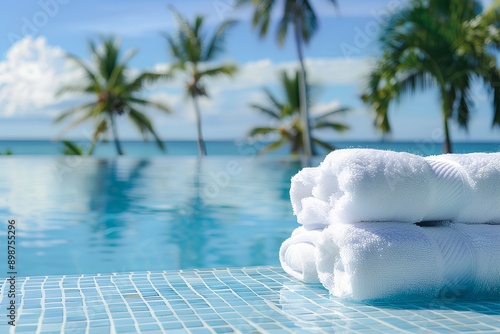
<point x="478" y="200"/>
<point x="301" y="187"/>
<point x="298" y="254"/>
<point x="357" y="185"/>
<point x="483" y="240"/>
<point x="374" y="185"/>
<point x="393" y="261"/>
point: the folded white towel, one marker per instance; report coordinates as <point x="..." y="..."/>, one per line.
<point x="479" y="201"/>
<point x="356" y="185"/>
<point x="298" y="254"/>
<point x="373" y="261"/>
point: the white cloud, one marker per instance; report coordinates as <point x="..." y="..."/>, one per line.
<point x="320" y="108"/>
<point x="331" y="71"/>
<point x="171" y="100"/>
<point x="265" y="72"/>
<point x="30" y="76"/>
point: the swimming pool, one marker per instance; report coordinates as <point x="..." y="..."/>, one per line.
<point x="88" y="215"/>
<point x="78" y="217"/>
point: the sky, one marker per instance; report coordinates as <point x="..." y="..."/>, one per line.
<point x="38" y="34"/>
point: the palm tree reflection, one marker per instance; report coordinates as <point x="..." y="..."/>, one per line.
<point x="190" y="224"/>
<point x="112" y="193"/>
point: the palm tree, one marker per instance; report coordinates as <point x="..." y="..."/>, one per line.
<point x="443" y="44"/>
<point x="301" y="15"/>
<point x="287" y="113"/>
<point x="192" y="52"/>
<point x="71" y="148"/>
<point x="112" y="93"/>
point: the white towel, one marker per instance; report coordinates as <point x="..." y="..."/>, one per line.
<point x="356" y="185"/>
<point x="298" y="254"/>
<point x="480" y="175"/>
<point x="393" y="261"/>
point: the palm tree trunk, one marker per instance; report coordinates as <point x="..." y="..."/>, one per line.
<point x="201" y="143"/>
<point x="304" y="115"/>
<point x="447" y="140"/>
<point x="115" y="134"/>
<point x="447" y="103"/>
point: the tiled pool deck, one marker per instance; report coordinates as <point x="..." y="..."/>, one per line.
<point x="240" y="300"/>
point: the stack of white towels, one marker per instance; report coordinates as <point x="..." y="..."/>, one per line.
<point x="382" y="225"/>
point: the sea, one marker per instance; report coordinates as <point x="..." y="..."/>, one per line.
<point x="233" y="147"/>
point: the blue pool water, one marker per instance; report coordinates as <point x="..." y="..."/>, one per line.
<point x="94" y="215"/>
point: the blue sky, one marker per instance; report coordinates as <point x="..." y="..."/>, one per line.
<point x="37" y="34"/>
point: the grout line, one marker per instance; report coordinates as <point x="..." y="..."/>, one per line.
<point x="112" y="328"/>
<point x="153" y="315"/>
<point x="136" y="324"/>
<point x="42" y="305"/>
<point x="84" y="304"/>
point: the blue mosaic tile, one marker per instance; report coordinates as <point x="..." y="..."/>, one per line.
<point x="239" y="300"/>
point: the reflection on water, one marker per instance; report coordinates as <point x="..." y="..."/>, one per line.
<point x="103" y="215"/>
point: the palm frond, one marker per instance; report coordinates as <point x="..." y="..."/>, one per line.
<point x="147" y="78"/>
<point x="464" y="108"/>
<point x="310" y="22"/>
<point x="273" y="113"/>
<point x="262" y="15"/>
<point x="216" y="43"/>
<point x="179" y="65"/>
<point x="73" y="89"/>
<point x="262" y="131"/>
<point x="100" y="129"/>
<point x="76" y="122"/>
<point x="128" y="56"/>
<point x="226" y="69"/>
<point x="494" y="82"/>
<point x="154" y="104"/>
<point x="188" y="36"/>
<point x="287" y="19"/>
<point x="91" y="76"/>
<point x="291" y="91"/>
<point x="72" y="111"/>
<point x="71" y="148"/>
<point x="273" y="146"/>
<point x="115" y="78"/>
<point x="328" y="114"/>
<point x="491" y="15"/>
<point x="145" y="126"/>
<point x="273" y="100"/>
<point x="175" y="48"/>
<point x="339" y="127"/>
<point x="335" y="3"/>
<point x="99" y="108"/>
<point x="324" y="144"/>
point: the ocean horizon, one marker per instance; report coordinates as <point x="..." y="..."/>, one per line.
<point x="136" y="148"/>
